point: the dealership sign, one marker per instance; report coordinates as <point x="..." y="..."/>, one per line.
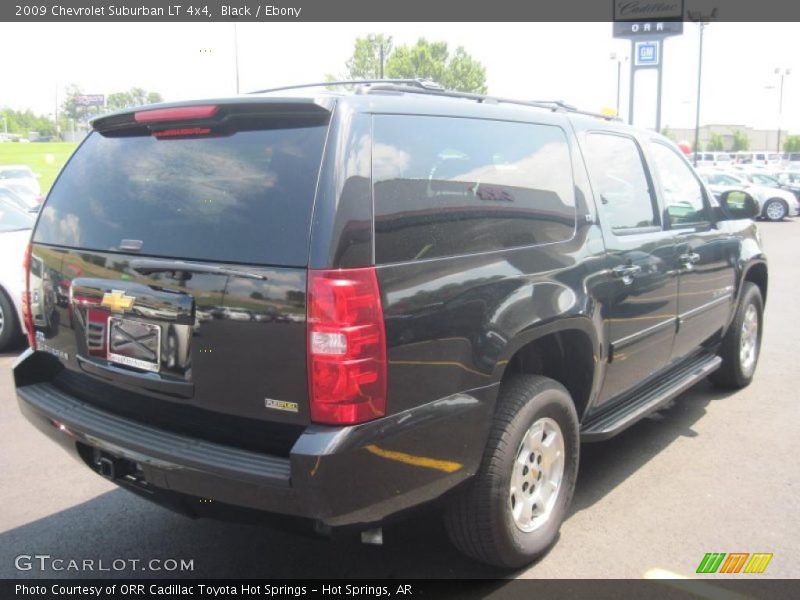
<point x="90" y="100"/>
<point x="634" y="18"/>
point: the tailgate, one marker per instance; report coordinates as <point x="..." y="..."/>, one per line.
<point x="171" y="273"/>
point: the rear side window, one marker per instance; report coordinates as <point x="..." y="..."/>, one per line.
<point x="243" y="197"/>
<point x="446" y="186"/>
<point x="620" y="182"/>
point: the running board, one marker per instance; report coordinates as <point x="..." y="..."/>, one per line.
<point x="649" y="398"/>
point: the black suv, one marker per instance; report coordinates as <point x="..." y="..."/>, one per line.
<point x="340" y="306"/>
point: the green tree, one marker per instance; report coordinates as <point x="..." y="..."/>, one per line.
<point x="133" y="97"/>
<point x="716" y="143"/>
<point x="365" y="63"/>
<point x="740" y="141"/>
<point x="792" y="143"/>
<point x="668" y="133"/>
<point x="23" y="122"/>
<point x="432" y="60"/>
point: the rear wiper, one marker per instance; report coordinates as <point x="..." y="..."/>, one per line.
<point x="147" y="267"/>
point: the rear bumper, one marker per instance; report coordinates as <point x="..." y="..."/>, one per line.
<point x="344" y="476"/>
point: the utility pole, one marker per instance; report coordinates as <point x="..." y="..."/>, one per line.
<point x="699" y="83"/>
<point x="381" y="51"/>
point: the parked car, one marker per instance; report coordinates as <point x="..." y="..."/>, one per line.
<point x="15" y="232"/>
<point x="712" y="159"/>
<point x="487" y="283"/>
<point x="771" y="180"/>
<point x="23" y="175"/>
<point x="791" y="161"/>
<point x="20" y="195"/>
<point x="774" y="204"/>
<point x="758" y="158"/>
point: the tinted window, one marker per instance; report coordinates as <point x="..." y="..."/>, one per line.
<point x="619" y="181"/>
<point x="682" y="192"/>
<point x="446" y="186"/>
<point x="244" y="197"/>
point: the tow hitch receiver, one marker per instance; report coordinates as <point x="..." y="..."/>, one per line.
<point x="111" y="467"/>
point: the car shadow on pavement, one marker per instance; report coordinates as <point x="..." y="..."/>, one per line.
<point x="119" y="525"/>
<point x="605" y="465"/>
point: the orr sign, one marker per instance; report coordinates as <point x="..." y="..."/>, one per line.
<point x="634" y="18"/>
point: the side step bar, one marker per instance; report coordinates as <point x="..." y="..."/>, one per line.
<point x="649" y="398"/>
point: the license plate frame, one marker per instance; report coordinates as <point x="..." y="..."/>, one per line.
<point x="134" y="331"/>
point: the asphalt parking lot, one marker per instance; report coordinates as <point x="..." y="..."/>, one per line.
<point x="714" y="472"/>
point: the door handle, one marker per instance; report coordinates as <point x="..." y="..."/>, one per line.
<point x="626" y="272"/>
<point x="687" y="260"/>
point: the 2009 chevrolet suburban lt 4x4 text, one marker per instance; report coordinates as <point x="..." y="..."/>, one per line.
<point x="339" y="306"/>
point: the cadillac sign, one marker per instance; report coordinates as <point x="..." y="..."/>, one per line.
<point x="634" y="18"/>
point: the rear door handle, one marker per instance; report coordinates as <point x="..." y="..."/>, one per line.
<point x="626" y="272"/>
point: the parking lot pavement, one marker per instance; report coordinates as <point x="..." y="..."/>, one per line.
<point x="714" y="472"/>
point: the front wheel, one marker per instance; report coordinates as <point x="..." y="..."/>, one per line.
<point x="511" y="511"/>
<point x="741" y="345"/>
<point x="775" y="210"/>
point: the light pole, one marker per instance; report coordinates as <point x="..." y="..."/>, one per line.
<point x="619" y="75"/>
<point x="699" y="82"/>
<point x="783" y="72"/>
<point x="5" y="125"/>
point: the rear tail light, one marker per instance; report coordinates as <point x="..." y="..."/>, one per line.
<point x="346" y="346"/>
<point x="27" y="315"/>
<point x="180" y="113"/>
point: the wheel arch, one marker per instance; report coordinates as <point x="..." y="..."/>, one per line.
<point x="568" y="352"/>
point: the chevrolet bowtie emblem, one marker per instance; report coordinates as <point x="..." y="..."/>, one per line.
<point x="117" y="301"/>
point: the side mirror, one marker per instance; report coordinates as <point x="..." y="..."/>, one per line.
<point x="738" y="204"/>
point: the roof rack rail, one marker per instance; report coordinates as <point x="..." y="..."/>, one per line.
<point x="423" y="84"/>
<point x="552" y="105"/>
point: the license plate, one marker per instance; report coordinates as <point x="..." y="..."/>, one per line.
<point x="134" y="344"/>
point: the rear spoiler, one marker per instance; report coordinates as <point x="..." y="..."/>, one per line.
<point x="228" y="108"/>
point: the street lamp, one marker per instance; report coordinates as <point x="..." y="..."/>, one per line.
<point x="783" y="72"/>
<point x="702" y="25"/>
<point x="619" y="60"/>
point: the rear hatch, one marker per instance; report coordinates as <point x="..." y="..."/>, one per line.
<point x="171" y="269"/>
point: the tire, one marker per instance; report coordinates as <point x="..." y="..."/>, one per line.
<point x="739" y="364"/>
<point x="10" y="330"/>
<point x="775" y="209"/>
<point x="481" y="521"/>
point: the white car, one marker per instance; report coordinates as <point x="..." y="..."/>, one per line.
<point x="712" y="159"/>
<point x="15" y="232"/>
<point x="774" y="204"/>
<point x="21" y="174"/>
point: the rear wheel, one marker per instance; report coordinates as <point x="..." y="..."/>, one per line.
<point x="742" y="343"/>
<point x="776" y="209"/>
<point x="512" y="510"/>
<point x="10" y="330"/>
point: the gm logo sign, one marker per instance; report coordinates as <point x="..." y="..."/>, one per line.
<point x="735" y="562"/>
<point x="646" y="54"/>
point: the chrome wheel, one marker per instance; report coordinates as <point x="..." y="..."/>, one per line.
<point x="748" y="340"/>
<point x="536" y="474"/>
<point x="776" y="211"/>
<point x="2" y="319"/>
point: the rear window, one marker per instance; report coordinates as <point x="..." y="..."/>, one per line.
<point x="244" y="197"/>
<point x="445" y="186"/>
